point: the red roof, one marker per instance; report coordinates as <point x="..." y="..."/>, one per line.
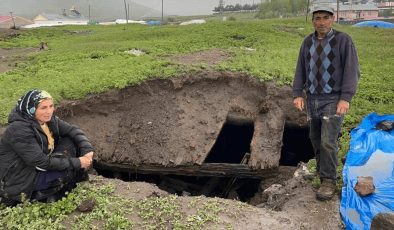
<point x="4" y="18"/>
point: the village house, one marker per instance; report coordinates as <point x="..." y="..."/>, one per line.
<point x="386" y="9"/>
<point x="368" y="11"/>
<point x="7" y="22"/>
<point x="385" y="5"/>
<point x="350" y="12"/>
<point x="45" y="19"/>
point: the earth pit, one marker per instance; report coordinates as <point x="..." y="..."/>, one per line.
<point x="208" y="133"/>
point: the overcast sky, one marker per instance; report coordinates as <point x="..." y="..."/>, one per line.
<point x="171" y="7"/>
<point x="31" y="8"/>
<point x="189" y="7"/>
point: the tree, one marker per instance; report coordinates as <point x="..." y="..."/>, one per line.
<point x="282" y="8"/>
<point x="237" y="7"/>
<point x="220" y="7"/>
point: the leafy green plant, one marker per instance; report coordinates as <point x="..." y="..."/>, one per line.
<point x="80" y="63"/>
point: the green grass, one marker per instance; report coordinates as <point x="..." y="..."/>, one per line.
<point x="91" y="59"/>
<point x="96" y="57"/>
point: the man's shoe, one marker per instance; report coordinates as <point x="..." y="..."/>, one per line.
<point x="327" y="190"/>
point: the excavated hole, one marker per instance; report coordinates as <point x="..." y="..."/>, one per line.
<point x="210" y="133"/>
<point x="232" y="146"/>
<point x="297" y="146"/>
<point x="233" y="142"/>
<point x="242" y="189"/>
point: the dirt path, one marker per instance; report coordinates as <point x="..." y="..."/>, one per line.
<point x="11" y="58"/>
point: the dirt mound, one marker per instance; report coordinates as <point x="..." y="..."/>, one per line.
<point x="299" y="211"/>
<point x="177" y="121"/>
<point x="208" y="57"/>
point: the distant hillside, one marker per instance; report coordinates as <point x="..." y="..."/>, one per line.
<point x="100" y="10"/>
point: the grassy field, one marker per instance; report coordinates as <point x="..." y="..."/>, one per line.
<point x="91" y="59"/>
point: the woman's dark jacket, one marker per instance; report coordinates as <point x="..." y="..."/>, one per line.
<point x="24" y="146"/>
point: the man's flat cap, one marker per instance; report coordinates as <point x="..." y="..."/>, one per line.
<point x="323" y="9"/>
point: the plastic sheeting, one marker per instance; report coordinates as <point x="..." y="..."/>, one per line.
<point x="371" y="153"/>
<point x="376" y="24"/>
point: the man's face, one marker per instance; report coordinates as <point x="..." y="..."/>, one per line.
<point x="322" y="21"/>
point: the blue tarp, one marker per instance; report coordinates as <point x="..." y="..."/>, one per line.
<point x="377" y="24"/>
<point x="371" y="153"/>
<point x="153" y="23"/>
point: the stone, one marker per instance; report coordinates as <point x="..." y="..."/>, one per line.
<point x="383" y="221"/>
<point x="364" y="186"/>
<point x="87" y="205"/>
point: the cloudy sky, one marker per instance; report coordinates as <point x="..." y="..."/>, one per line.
<point x="171" y="7"/>
<point x="189" y="7"/>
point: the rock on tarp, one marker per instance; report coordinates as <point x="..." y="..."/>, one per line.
<point x="371" y="153"/>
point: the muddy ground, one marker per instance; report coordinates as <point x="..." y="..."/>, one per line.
<point x="175" y="122"/>
<point x="294" y="207"/>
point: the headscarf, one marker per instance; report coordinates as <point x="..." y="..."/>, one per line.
<point x="28" y="103"/>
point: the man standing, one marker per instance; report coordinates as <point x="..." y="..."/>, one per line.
<point x="328" y="72"/>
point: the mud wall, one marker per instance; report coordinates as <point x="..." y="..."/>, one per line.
<point x="176" y="121"/>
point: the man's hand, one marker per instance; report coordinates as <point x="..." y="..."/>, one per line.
<point x="298" y="102"/>
<point x="342" y="107"/>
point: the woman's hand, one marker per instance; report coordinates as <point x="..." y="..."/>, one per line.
<point x="86" y="160"/>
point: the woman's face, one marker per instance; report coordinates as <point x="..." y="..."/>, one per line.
<point x="44" y="111"/>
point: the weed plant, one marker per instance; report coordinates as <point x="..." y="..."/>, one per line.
<point x="112" y="212"/>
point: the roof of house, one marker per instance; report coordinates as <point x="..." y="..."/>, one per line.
<point x="59" y="17"/>
<point x="20" y="20"/>
<point x="358" y="7"/>
<point x="4" y="18"/>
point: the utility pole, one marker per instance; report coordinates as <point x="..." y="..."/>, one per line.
<point x="162" y="11"/>
<point x="221" y="6"/>
<point x="337" y="11"/>
<point x="125" y="9"/>
<point x="128" y="11"/>
<point x="89" y="13"/>
<point x="307" y="10"/>
<point x="13" y="21"/>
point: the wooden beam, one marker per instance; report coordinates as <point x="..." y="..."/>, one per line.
<point x="206" y="169"/>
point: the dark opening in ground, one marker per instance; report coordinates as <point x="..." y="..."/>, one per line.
<point x="232" y="143"/>
<point x="212" y="134"/>
<point x="242" y="189"/>
<point x="232" y="146"/>
<point x="297" y="146"/>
